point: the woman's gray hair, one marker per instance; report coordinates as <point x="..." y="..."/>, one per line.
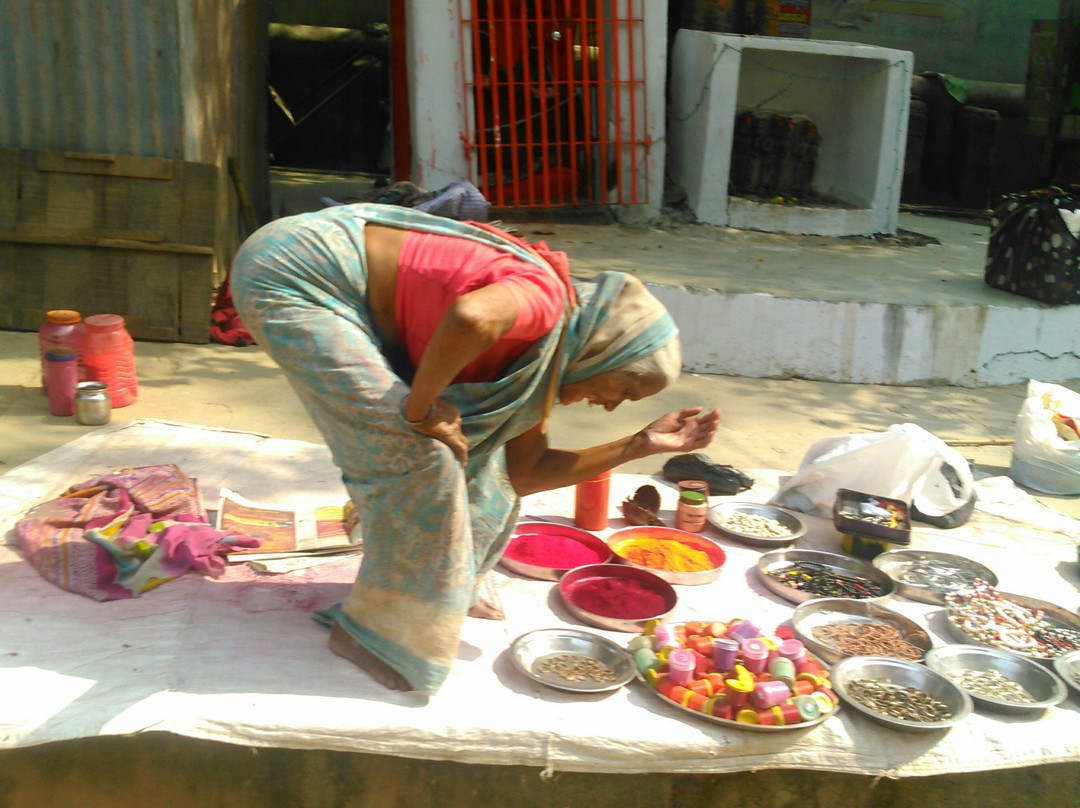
<point x="665" y="364"/>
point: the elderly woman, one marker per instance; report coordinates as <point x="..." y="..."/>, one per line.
<point x="429" y="352"/>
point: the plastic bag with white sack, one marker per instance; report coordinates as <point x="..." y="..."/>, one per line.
<point x="1046" y="454"/>
<point x="905" y="462"/>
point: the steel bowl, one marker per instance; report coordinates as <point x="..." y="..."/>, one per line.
<point x="529" y="651"/>
<point x="551" y="529"/>
<point x="719" y="515"/>
<point x="571" y="582"/>
<point x="822" y="611"/>
<point x="1054" y="615"/>
<point x="1041" y="685"/>
<point x="714" y="551"/>
<point x="846" y="565"/>
<point x="1068" y="668"/>
<point x="905" y="674"/>
<point x="927" y="576"/>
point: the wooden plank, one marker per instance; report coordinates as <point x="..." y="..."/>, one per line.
<point x="70" y="200"/>
<point x="53" y="232"/>
<point x="199" y="184"/>
<point x="34" y="190"/>
<point x="9" y="188"/>
<point x="116" y="206"/>
<point x="9" y="279"/>
<point x="63" y="239"/>
<point x="152" y="305"/>
<point x="196" y="298"/>
<point x="155" y="206"/>
<point x="113" y="165"/>
<point x="69" y="279"/>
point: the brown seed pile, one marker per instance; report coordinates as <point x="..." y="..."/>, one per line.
<point x="867" y="639"/>
<point x="574" y="668"/>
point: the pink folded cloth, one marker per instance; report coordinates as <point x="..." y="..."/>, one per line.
<point x="124" y="533"/>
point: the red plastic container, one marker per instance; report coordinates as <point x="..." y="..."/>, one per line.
<point x="62" y="331"/>
<point x="591" y="502"/>
<point x="109" y="357"/>
<point x="61" y="376"/>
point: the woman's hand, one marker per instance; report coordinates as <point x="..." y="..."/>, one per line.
<point x="682" y="430"/>
<point x="443" y="423"/>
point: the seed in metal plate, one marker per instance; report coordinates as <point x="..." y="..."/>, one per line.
<point x="574" y="668"/>
<point x="896" y="701"/>
<point x="992" y="684"/>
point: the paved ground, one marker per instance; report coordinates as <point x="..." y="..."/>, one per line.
<point x="767" y="423"/>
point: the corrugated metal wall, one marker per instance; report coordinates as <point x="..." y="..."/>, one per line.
<point x="179" y="79"/>
<point x="99" y="76"/>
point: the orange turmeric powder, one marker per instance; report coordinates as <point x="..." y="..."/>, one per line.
<point x="664" y="554"/>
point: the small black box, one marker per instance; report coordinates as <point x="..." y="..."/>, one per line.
<point x="857" y="514"/>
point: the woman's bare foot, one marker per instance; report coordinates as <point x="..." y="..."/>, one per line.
<point x="486" y="609"/>
<point x="345" y="646"/>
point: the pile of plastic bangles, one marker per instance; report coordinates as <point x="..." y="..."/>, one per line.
<point x="981" y="612"/>
<point x="732" y="671"/>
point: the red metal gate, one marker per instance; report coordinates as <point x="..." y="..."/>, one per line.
<point x="556" y="95"/>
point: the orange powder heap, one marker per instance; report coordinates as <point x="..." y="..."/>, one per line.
<point x="664" y="554"/>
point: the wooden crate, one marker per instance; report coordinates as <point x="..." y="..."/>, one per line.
<point x="108" y="234"/>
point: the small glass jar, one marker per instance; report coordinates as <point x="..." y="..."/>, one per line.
<point x="694" y="485"/>
<point x="691" y="512"/>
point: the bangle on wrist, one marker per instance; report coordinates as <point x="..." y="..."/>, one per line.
<point x="427" y="415"/>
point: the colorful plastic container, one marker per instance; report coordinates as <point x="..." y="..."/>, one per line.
<point x="109" y="357"/>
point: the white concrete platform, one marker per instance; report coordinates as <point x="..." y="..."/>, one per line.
<point x="856" y="95"/>
<point x="862" y="310"/>
<point x="906" y="310"/>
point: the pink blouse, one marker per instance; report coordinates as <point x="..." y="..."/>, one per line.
<point x="434" y="270"/>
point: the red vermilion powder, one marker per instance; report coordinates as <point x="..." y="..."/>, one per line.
<point x="622" y="598"/>
<point x="553" y="551"/>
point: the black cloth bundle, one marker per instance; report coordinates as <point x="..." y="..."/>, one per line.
<point x="1033" y="250"/>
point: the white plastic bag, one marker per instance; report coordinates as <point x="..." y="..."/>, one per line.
<point x="905" y="462"/>
<point x="1043" y="458"/>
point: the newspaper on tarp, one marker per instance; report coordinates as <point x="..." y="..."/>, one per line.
<point x="293" y="537"/>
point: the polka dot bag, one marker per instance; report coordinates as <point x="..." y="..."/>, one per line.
<point x="1034" y="245"/>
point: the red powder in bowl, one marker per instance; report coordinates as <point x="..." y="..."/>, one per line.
<point x="552" y="551"/>
<point x="621" y="598"/>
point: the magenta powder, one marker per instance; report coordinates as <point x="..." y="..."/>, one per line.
<point x="553" y="551"/>
<point x="621" y="598"/>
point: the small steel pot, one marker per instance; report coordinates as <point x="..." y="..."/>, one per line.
<point x="92" y="405"/>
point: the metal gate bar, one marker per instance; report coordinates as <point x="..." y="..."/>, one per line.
<point x="556" y="97"/>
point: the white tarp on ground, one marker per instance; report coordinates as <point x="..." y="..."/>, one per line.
<point x="240" y="660"/>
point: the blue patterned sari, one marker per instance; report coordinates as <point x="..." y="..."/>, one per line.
<point x="431" y="529"/>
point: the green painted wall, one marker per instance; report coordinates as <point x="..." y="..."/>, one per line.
<point x="984" y="40"/>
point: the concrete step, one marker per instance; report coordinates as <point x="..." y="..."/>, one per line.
<point x="910" y="309"/>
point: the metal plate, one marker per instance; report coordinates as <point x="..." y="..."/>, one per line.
<point x="529" y="650"/>
<point x="822" y="611"/>
<point x="719" y="514"/>
<point x="707" y="545"/>
<point x="540" y="573"/>
<point x="1054" y="615"/>
<point x="846" y="565"/>
<point x="927" y="576"/>
<point x="1068" y="668"/>
<point x="645" y="578"/>
<point x="1042" y="685"/>
<point x="905" y="674"/>
<point x="726" y="722"/>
